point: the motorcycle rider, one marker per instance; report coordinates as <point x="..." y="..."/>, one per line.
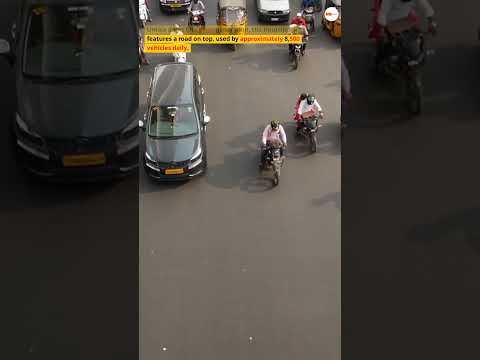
<point x="306" y="4"/>
<point x="196" y="5"/>
<point x="273" y="132"/>
<point x="295" y="29"/>
<point x="144" y="11"/>
<point x="299" y="20"/>
<point x="296" y="116"/>
<point x="390" y="11"/>
<point x="309" y="108"/>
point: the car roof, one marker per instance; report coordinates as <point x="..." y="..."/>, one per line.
<point x="172" y="84"/>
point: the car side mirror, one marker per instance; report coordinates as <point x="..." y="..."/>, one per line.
<point x="141" y="124"/>
<point x="206" y="120"/>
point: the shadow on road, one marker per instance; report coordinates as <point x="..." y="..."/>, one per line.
<point x="466" y="222"/>
<point x="328" y="137"/>
<point x="329" y="198"/>
<point x="270" y="59"/>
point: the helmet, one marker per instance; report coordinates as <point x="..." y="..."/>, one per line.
<point x="303" y="96"/>
<point x="274" y="124"/>
<point x="176" y="27"/>
<point x="299" y="14"/>
<point x="310" y="99"/>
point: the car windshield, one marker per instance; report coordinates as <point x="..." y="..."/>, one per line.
<point x="172" y="121"/>
<point x="80" y="41"/>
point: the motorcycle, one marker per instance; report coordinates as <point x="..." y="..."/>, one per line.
<point x="295" y="54"/>
<point x="197" y="19"/>
<point x="405" y="57"/>
<point x="274" y="161"/>
<point x="180" y="57"/>
<point x="309" y="16"/>
<point x="309" y="132"/>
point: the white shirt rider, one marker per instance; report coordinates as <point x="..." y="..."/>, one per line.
<point x="305" y="107"/>
<point x="198" y="6"/>
<point x="393" y="10"/>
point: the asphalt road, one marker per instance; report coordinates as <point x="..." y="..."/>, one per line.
<point x="229" y="267"/>
<point x="410" y="209"/>
<point x="68" y="255"/>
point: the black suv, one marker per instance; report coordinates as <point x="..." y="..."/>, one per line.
<point x="175" y="123"/>
<point x="76" y="68"/>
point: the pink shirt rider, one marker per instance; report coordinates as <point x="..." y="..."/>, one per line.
<point x="274" y="136"/>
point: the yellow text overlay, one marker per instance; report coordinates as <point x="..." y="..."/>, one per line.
<point x="222" y="39"/>
<point x="167" y="48"/>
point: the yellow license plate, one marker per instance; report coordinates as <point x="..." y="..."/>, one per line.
<point x="173" y="171"/>
<point x="175" y="5"/>
<point x="84" y="160"/>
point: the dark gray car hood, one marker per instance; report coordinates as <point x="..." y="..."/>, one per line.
<point x="79" y="109"/>
<point x="172" y="150"/>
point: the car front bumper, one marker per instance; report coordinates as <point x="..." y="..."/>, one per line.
<point x="274" y="17"/>
<point x="159" y="174"/>
<point x="116" y="166"/>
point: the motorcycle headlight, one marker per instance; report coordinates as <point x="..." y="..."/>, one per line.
<point x="128" y="138"/>
<point x="30" y="141"/>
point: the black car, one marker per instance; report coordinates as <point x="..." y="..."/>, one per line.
<point x="175" y="123"/>
<point x="76" y="70"/>
<point x="174" y="5"/>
